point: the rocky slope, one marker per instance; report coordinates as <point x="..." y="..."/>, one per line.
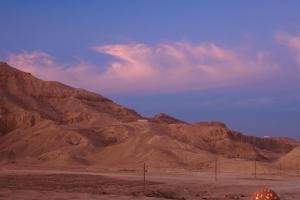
<point x="26" y="100"/>
<point x="291" y="159"/>
<point x="166" y="119"/>
<point x="51" y="124"/>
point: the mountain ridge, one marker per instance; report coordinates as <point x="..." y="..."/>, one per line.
<point x="52" y="124"/>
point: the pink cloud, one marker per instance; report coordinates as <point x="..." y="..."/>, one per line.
<point x="44" y="66"/>
<point x="181" y="66"/>
<point x="292" y="42"/>
<point x="167" y="67"/>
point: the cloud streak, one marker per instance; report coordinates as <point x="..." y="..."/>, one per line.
<point x="182" y="66"/>
<point x="166" y="67"/>
<point x="44" y="66"/>
<point x="292" y="42"/>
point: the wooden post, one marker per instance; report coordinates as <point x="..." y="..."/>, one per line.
<point x="280" y="169"/>
<point x="216" y="169"/>
<point x="144" y="178"/>
<point x="255" y="168"/>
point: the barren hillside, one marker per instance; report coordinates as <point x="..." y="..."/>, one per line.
<point x="50" y="124"/>
<point x="291" y="160"/>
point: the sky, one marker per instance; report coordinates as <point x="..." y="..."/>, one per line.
<point x="233" y="61"/>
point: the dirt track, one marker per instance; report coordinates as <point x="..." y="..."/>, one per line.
<point x="61" y="185"/>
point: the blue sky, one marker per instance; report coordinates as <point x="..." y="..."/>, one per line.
<point x="233" y="61"/>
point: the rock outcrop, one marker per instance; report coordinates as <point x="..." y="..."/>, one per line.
<point x="166" y="119"/>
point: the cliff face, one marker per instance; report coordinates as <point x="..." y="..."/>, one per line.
<point x="26" y="100"/>
<point x="272" y="144"/>
<point x="51" y="124"/>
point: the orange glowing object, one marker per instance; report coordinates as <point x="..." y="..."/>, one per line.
<point x="265" y="194"/>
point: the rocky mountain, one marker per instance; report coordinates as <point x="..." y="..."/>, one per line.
<point x="54" y="125"/>
<point x="166" y="119"/>
<point x="26" y="100"/>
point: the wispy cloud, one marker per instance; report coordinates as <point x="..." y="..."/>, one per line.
<point x="255" y="102"/>
<point x="44" y="66"/>
<point x="241" y="102"/>
<point x="166" y="67"/>
<point x="181" y="66"/>
<point x="292" y="42"/>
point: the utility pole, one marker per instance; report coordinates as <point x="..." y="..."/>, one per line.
<point x="280" y="169"/>
<point x="216" y="169"/>
<point x="144" y="178"/>
<point x="255" y="168"/>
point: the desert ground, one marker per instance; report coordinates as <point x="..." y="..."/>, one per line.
<point x="17" y="184"/>
<point x="59" y="142"/>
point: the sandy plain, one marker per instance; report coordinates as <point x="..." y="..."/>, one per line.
<point x="16" y="184"/>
